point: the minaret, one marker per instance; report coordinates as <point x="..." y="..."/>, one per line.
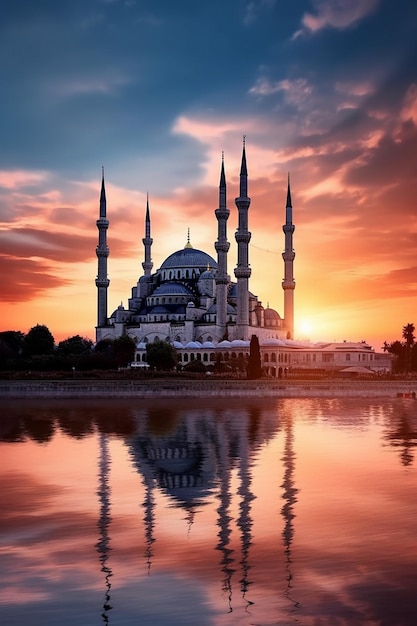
<point x="147" y="242"/>
<point x="288" y="284"/>
<point x="102" y="251"/>
<point x="242" y="236"/>
<point x="222" y="248"/>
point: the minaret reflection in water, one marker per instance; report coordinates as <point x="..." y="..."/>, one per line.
<point x="289" y="497"/>
<point x="103" y="545"/>
<point x="244" y="521"/>
<point x="224" y="518"/>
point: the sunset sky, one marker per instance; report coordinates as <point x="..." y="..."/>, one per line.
<point x="155" y="91"/>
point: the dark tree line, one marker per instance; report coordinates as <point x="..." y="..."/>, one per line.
<point x="404" y="352"/>
<point x="36" y="350"/>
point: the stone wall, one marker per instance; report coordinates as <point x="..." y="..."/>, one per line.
<point x="171" y="388"/>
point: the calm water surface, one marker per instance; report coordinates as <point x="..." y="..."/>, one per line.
<point x="260" y="513"/>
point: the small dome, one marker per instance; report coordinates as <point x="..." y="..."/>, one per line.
<point x="207" y="275"/>
<point x="208" y="344"/>
<point x="224" y="344"/>
<point x="271" y="314"/>
<point x="239" y="343"/>
<point x="272" y="342"/>
<point x="229" y="309"/>
<point x="193" y="344"/>
<point x="178" y="345"/>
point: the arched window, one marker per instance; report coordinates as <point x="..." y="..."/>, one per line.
<point x="273" y="357"/>
<point x="205" y="357"/>
<point x="266" y="358"/>
<point x="185" y="357"/>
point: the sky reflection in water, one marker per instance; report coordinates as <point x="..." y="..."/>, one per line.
<point x="298" y="511"/>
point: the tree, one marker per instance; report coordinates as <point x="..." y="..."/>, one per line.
<point x="161" y="355"/>
<point x="405" y="352"/>
<point x="11" y="342"/>
<point x="74" y="346"/>
<point x="38" y="342"/>
<point x="124" y="350"/>
<point x="195" y="367"/>
<point x="254" y="369"/>
<point x="408" y="334"/>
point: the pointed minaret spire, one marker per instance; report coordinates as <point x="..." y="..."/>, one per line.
<point x="147" y="241"/>
<point x="288" y="284"/>
<point x="243" y="236"/>
<point x="103" y="207"/>
<point x="289" y="203"/>
<point x="222" y="248"/>
<point x="243" y="172"/>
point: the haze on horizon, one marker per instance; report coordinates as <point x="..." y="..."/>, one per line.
<point x="323" y="89"/>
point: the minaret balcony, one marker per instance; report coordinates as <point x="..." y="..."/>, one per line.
<point x="244" y="237"/>
<point x="222" y="246"/>
<point x="288" y="255"/>
<point x="102" y="282"/>
<point x="242" y="203"/>
<point x="288" y="284"/>
<point x="243" y="272"/>
<point x="102" y="251"/>
<point x="102" y="223"/>
<point x="222" y="213"/>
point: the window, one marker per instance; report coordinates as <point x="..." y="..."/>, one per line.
<point x="348" y="357"/>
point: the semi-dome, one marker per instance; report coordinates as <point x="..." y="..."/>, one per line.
<point x="172" y="289"/>
<point x="189" y="257"/>
<point x="230" y="309"/>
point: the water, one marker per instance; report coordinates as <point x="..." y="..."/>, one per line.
<point x="260" y="513"/>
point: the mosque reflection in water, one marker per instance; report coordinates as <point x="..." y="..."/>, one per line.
<point x="195" y="458"/>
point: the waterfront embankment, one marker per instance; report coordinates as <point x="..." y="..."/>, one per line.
<point x="179" y="388"/>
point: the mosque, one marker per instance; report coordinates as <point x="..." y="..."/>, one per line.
<point x="191" y="301"/>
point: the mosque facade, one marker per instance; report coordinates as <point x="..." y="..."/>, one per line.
<point x="191" y="297"/>
<point x="192" y="302"/>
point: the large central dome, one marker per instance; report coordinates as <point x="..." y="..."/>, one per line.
<point x="189" y="257"/>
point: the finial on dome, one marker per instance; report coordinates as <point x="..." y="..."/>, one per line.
<point x="188" y="244"/>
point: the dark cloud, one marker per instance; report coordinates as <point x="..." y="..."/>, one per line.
<point x="25" y="279"/>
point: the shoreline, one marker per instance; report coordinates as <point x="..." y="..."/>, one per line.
<point x="174" y="388"/>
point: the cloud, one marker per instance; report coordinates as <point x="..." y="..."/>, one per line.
<point x="26" y="279"/>
<point x="295" y="91"/>
<point x="338" y="14"/>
